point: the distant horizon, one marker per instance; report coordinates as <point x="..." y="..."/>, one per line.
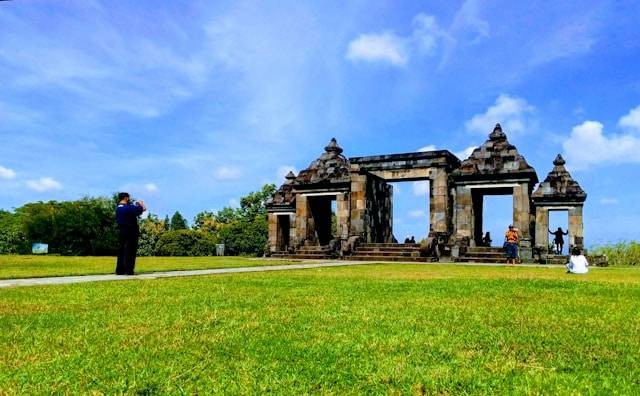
<point x="191" y="105"/>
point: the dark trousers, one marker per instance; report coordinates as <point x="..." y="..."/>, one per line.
<point x="127" y="249"/>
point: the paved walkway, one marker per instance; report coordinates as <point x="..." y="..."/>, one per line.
<point x="63" y="280"/>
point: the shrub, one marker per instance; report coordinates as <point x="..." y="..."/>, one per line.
<point x="186" y="243"/>
<point x="623" y="253"/>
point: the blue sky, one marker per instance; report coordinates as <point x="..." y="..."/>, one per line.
<point x="190" y="105"/>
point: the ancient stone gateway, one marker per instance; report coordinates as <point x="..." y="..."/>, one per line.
<point x="301" y="216"/>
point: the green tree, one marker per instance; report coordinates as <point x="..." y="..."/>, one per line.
<point x="13" y="239"/>
<point x="245" y="230"/>
<point x="178" y="222"/>
<point x="83" y="227"/>
<point x="167" y="223"/>
<point x="151" y="229"/>
<point x="206" y="222"/>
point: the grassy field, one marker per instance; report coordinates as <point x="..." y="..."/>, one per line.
<point x="14" y="266"/>
<point x="405" y="329"/>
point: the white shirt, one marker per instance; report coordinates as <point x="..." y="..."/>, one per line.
<point x="578" y="264"/>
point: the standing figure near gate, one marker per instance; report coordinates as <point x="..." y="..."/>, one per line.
<point x="558" y="240"/>
<point x="511" y="239"/>
<point x="127" y="219"/>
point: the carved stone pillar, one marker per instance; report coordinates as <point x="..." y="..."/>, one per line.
<point x="542" y="228"/>
<point x="342" y="215"/>
<point x="576" y="227"/>
<point x="439" y="201"/>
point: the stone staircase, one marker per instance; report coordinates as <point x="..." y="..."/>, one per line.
<point x="482" y="255"/>
<point x="387" y="252"/>
<point x="557" y="259"/>
<point x="306" y="252"/>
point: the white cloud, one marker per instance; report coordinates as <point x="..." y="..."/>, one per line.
<point x="233" y="203"/>
<point x="430" y="147"/>
<point x="609" y="201"/>
<point x="227" y="173"/>
<point x="512" y="112"/>
<point x="417" y="213"/>
<point x="464" y="154"/>
<point x="427" y="34"/>
<point x="384" y="47"/>
<point x="44" y="184"/>
<point x="282" y="172"/>
<point x="6" y="173"/>
<point x="151" y="187"/>
<point x="388" y="47"/>
<point x="587" y="145"/>
<point x="631" y="120"/>
<point x="421" y="188"/>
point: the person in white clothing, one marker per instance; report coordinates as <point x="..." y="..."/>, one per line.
<point x="577" y="262"/>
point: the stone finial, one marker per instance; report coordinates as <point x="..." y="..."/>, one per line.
<point x="559" y="160"/>
<point x="333" y="147"/>
<point x="497" y="133"/>
<point x="290" y="176"/>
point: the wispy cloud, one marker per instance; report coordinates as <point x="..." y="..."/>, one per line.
<point x="464" y="154"/>
<point x="227" y="173"/>
<point x="609" y="201"/>
<point x="151" y="187"/>
<point x="382" y="47"/>
<point x="429" y="147"/>
<point x="631" y="120"/>
<point x="44" y="184"/>
<point x="588" y="146"/>
<point x="512" y="112"/>
<point x="387" y="47"/>
<point x="6" y="173"/>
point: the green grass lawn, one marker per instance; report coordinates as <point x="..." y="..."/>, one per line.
<point x="406" y="329"/>
<point x="15" y="266"/>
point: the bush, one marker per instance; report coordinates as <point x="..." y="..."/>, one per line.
<point x="623" y="253"/>
<point x="186" y="243"/>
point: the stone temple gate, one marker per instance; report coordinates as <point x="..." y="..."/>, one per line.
<point x="340" y="201"/>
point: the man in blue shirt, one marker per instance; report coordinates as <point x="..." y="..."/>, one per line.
<point x="127" y="219"/>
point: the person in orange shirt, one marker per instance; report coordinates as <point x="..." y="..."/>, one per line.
<point x="511" y="238"/>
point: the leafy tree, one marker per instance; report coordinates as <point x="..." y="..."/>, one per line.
<point x="151" y="229"/>
<point x="13" y="239"/>
<point x="206" y="222"/>
<point x="83" y="227"/>
<point x="167" y="223"/>
<point x="186" y="243"/>
<point x="245" y="230"/>
<point x="178" y="222"/>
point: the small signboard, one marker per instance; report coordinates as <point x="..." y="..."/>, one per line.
<point x="40" y="248"/>
<point x="220" y="249"/>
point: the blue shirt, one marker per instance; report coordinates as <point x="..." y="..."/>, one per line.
<point x="127" y="215"/>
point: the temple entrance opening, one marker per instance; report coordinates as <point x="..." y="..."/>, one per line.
<point x="410" y="210"/>
<point x="498" y="217"/>
<point x="322" y="209"/>
<point x="284" y="229"/>
<point x="559" y="218"/>
<point x="497" y="214"/>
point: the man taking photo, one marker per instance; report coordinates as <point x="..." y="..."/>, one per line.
<point x="127" y="219"/>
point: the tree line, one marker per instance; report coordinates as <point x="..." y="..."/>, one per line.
<point x="87" y="227"/>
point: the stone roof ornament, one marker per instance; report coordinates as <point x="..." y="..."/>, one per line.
<point x="496" y="157"/>
<point x="559" y="186"/>
<point x="497" y="133"/>
<point x="559" y="161"/>
<point x="331" y="167"/>
<point x="333" y="147"/>
<point x="290" y="177"/>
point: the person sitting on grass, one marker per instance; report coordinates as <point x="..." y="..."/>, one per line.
<point x="511" y="239"/>
<point x="577" y="262"/>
